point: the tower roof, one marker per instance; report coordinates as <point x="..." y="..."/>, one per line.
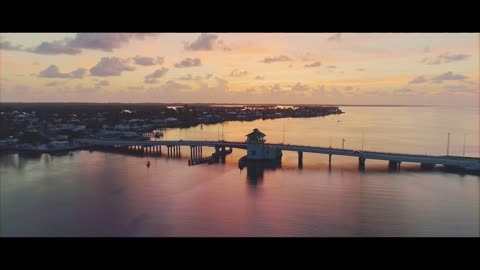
<point x="256" y="134"/>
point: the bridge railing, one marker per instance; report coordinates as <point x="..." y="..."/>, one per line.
<point x="373" y="152"/>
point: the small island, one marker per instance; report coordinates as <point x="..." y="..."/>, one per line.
<point x="48" y="124"/>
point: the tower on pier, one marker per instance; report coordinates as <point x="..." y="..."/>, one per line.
<point x="256" y="148"/>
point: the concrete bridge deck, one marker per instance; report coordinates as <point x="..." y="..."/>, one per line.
<point x="470" y="163"/>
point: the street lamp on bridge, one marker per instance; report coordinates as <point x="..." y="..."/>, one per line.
<point x="448" y="143"/>
<point x="363" y="131"/>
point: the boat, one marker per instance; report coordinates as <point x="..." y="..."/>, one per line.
<point x="158" y="134"/>
<point x="27" y="148"/>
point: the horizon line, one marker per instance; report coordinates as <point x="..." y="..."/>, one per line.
<point x="229" y="103"/>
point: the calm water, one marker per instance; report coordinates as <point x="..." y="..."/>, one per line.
<point x="105" y="194"/>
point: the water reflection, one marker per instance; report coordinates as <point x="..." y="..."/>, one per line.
<point x="102" y="193"/>
<point x="19" y="160"/>
<point x="256" y="169"/>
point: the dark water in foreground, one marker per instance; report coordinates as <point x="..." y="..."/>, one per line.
<point x="106" y="194"/>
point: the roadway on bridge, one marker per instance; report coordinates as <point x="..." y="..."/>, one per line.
<point x="466" y="162"/>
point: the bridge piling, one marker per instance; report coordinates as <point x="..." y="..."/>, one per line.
<point x="426" y="166"/>
<point x="393" y="165"/>
<point x="361" y="163"/>
<point x="329" y="159"/>
<point x="300" y="159"/>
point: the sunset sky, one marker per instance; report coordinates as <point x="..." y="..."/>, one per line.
<point x="311" y="68"/>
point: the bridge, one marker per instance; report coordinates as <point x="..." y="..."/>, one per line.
<point x="394" y="159"/>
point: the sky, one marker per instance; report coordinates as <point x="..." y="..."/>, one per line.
<point x="289" y="68"/>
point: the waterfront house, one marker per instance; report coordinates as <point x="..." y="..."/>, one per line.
<point x="171" y="119"/>
<point x="108" y="134"/>
<point x="130" y="136"/>
<point x="122" y="127"/>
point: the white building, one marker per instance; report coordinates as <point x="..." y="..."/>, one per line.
<point x="257" y="150"/>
